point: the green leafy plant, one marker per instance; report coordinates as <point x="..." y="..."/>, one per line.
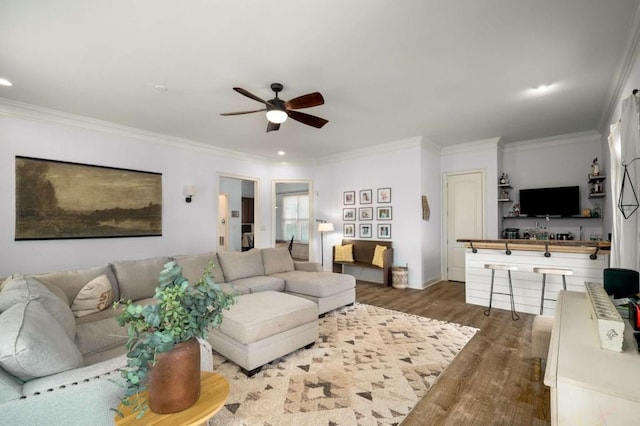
<point x="183" y="311"/>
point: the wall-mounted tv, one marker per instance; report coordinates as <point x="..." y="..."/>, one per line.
<point x="559" y="201"/>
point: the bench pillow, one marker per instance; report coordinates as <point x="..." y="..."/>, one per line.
<point x="277" y="260"/>
<point x="23" y="288"/>
<point x="236" y="265"/>
<point x="344" y="253"/>
<point x="33" y="344"/>
<point x="378" y="256"/>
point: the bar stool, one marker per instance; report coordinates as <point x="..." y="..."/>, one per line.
<point x="551" y="271"/>
<point x="508" y="268"/>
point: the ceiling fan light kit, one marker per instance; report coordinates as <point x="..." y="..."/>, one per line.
<point x="278" y="110"/>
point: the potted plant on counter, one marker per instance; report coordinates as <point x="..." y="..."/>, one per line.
<point x="164" y="353"/>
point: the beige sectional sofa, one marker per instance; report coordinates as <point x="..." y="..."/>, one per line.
<point x="56" y="368"/>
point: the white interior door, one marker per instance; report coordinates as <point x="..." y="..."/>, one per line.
<point x="223" y="222"/>
<point x="465" y="218"/>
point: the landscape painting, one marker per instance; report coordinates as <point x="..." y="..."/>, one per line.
<point x="59" y="200"/>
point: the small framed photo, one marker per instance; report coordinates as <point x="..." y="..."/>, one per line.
<point x="384" y="231"/>
<point x="365" y="230"/>
<point x="365" y="196"/>
<point x="365" y="213"/>
<point x="349" y="197"/>
<point x="349" y="213"/>
<point x="235" y="213"/>
<point x="349" y="230"/>
<point x="384" y="213"/>
<point x="384" y="195"/>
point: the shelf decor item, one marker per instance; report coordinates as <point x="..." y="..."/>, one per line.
<point x="183" y="313"/>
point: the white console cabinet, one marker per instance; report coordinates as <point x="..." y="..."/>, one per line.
<point x="590" y="385"/>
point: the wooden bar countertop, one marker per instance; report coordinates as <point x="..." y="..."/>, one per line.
<point x="565" y="246"/>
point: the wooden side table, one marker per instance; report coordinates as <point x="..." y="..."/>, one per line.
<point x="214" y="391"/>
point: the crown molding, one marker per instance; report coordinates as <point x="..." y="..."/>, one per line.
<point x="622" y="76"/>
<point x="553" y="141"/>
<point x="481" y="145"/>
<point x="11" y="108"/>
<point x="383" y="148"/>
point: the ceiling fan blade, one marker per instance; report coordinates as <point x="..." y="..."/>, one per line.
<point x="308" y="119"/>
<point x="305" y="101"/>
<point x="242" y="112"/>
<point x="250" y="95"/>
<point x="272" y="127"/>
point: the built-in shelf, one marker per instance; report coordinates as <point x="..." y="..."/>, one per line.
<point x="596" y="186"/>
<point x="504" y="200"/>
<point x="597" y="195"/>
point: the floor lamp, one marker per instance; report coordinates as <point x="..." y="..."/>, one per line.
<point x="323" y="227"/>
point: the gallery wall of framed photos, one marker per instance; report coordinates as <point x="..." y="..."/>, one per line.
<point x="366" y="214"/>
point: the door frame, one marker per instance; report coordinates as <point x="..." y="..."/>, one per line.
<point x="312" y="221"/>
<point x="257" y="240"/>
<point x="445" y="218"/>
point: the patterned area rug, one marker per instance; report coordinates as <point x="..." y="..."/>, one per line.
<point x="370" y="366"/>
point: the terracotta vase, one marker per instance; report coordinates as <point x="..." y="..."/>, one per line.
<point x="174" y="382"/>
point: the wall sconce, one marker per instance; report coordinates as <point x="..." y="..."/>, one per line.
<point x="189" y="191"/>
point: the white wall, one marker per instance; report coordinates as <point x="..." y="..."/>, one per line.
<point x="557" y="161"/>
<point x="431" y="229"/>
<point x="398" y="166"/>
<point x="187" y="228"/>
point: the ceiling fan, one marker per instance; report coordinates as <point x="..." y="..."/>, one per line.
<point x="278" y="110"/>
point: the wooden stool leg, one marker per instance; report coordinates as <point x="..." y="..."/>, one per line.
<point x="544" y="277"/>
<point x="487" y="312"/>
<point x="514" y="315"/>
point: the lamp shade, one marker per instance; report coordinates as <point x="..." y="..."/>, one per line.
<point x="325" y="227"/>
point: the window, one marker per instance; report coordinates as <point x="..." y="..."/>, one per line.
<point x="295" y="218"/>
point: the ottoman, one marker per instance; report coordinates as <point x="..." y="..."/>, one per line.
<point x="265" y="326"/>
<point x="328" y="290"/>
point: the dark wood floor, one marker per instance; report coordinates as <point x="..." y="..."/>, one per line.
<point x="491" y="381"/>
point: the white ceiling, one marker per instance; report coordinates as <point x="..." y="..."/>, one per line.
<point x="450" y="71"/>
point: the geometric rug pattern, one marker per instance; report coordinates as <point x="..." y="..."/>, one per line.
<point x="369" y="366"/>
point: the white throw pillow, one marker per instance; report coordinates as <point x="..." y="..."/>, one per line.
<point x="33" y="344"/>
<point x="94" y="297"/>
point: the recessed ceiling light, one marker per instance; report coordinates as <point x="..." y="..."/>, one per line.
<point x="281" y="153"/>
<point x="160" y="88"/>
<point x="542" y="88"/>
<point x="5" y="82"/>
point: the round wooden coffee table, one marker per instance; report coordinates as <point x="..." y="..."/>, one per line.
<point x="214" y="391"/>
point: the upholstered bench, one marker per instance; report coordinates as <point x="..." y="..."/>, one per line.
<point x="265" y="326"/>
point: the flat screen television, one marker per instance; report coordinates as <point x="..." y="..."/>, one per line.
<point x="559" y="201"/>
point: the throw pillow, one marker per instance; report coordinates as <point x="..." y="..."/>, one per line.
<point x="378" y="256"/>
<point x="23" y="288"/>
<point x="344" y="253"/>
<point x="33" y="344"/>
<point x="94" y="297"/>
<point x="237" y="265"/>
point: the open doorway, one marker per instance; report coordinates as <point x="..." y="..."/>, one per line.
<point x="237" y="213"/>
<point x="292" y="216"/>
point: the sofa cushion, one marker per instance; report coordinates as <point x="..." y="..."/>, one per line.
<point x="97" y="336"/>
<point x="261" y="315"/>
<point x="73" y="280"/>
<point x="23" y="288"/>
<point x="260" y="283"/>
<point x="277" y="259"/>
<point x="236" y="265"/>
<point x="316" y="284"/>
<point x="138" y="279"/>
<point x="193" y="266"/>
<point x="33" y="344"/>
<point x="94" y="297"/>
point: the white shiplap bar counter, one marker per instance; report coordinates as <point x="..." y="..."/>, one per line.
<point x="587" y="259"/>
